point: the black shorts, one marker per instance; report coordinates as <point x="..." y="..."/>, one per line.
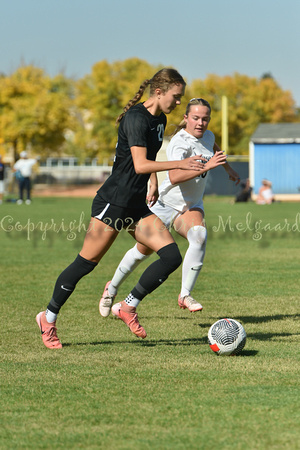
<point x="118" y="217"/>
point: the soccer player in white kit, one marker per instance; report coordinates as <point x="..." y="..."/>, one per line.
<point x="180" y="204"/>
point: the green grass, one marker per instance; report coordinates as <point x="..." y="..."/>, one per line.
<point x="107" y="389"/>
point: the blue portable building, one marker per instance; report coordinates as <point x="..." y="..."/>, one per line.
<point x="274" y="154"/>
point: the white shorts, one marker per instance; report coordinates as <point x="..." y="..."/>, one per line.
<point x="1" y="186"/>
<point x="168" y="214"/>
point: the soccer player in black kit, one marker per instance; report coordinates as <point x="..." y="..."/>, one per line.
<point x="121" y="203"/>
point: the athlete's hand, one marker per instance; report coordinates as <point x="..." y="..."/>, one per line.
<point x="233" y="175"/>
<point x="152" y="195"/>
<point x="218" y="159"/>
<point x="193" y="163"/>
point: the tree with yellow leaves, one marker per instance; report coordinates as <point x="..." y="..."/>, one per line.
<point x="100" y="98"/>
<point x="251" y="101"/>
<point x="55" y="115"/>
<point x="34" y="110"/>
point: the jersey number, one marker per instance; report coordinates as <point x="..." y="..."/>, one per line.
<point x="160" y="132"/>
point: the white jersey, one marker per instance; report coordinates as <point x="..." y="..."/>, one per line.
<point x="25" y="166"/>
<point x="188" y="194"/>
<point x="267" y="194"/>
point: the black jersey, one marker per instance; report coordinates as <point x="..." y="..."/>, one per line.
<point x="139" y="128"/>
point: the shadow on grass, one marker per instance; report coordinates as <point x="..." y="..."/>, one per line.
<point x="148" y="343"/>
<point x="250" y="319"/>
<point x="245" y="319"/>
<point x="259" y="336"/>
<point x="269" y="336"/>
<point x="248" y="353"/>
<point x="162" y="342"/>
<point x="263" y="319"/>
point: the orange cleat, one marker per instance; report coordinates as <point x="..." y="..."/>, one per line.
<point x="48" y="331"/>
<point x="129" y="316"/>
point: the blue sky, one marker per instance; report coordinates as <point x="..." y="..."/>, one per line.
<point x="197" y="37"/>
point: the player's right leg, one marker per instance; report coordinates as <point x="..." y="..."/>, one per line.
<point x="131" y="260"/>
<point x="152" y="233"/>
<point x="48" y="331"/>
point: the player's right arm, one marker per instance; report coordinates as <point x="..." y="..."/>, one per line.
<point x="142" y="165"/>
<point x="179" y="176"/>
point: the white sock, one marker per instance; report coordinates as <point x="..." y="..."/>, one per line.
<point x="193" y="260"/>
<point x="129" y="262"/>
<point x="130" y="300"/>
<point x="50" y="316"/>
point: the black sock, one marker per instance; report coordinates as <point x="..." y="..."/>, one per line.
<point x="169" y="260"/>
<point x="67" y="280"/>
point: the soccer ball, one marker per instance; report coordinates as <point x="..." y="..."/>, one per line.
<point x="227" y="337"/>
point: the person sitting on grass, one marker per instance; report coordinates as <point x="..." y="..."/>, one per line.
<point x="265" y="194"/>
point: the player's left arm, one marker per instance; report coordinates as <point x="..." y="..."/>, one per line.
<point x="233" y="175"/>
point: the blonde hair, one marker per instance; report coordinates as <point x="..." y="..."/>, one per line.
<point x="164" y="79"/>
<point x="192" y="102"/>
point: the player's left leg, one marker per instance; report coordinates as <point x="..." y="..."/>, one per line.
<point x="130" y="261"/>
<point x="98" y="239"/>
<point x="191" y="226"/>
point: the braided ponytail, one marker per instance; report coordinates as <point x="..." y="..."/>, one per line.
<point x="164" y="79"/>
<point x="134" y="100"/>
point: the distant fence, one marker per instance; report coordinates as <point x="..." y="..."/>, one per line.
<point x="67" y="172"/>
<point x="72" y="175"/>
<point x="218" y="182"/>
<point x="61" y="173"/>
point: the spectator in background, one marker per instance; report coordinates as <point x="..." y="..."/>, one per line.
<point x="265" y="194"/>
<point x="244" y="195"/>
<point x="2" y="174"/>
<point x="23" y="168"/>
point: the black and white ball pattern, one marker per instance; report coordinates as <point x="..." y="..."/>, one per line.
<point x="227" y="337"/>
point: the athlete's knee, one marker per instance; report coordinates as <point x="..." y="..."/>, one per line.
<point x="140" y="252"/>
<point x="170" y="256"/>
<point x="197" y="235"/>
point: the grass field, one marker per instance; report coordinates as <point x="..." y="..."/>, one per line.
<point x="106" y="389"/>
